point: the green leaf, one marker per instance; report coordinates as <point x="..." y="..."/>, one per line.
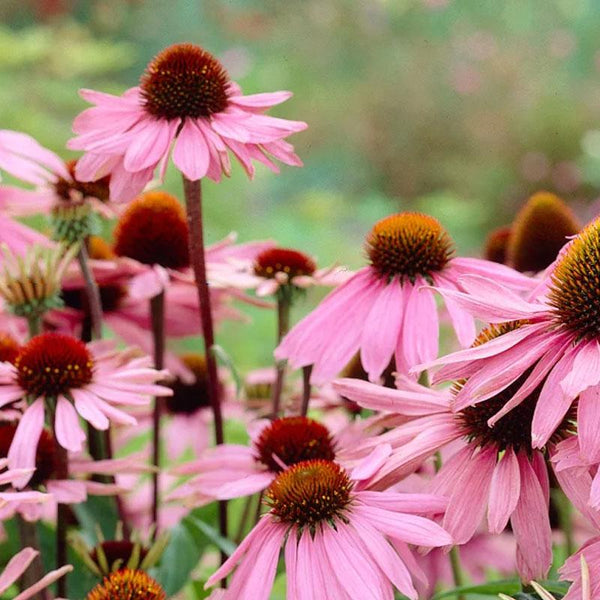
<point x="210" y="533"/>
<point x="97" y="511"/>
<point x="180" y="558"/>
<point x="510" y="587"/>
<point x="221" y="355"/>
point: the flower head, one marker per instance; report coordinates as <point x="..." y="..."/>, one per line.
<point x="59" y="374"/>
<point x="319" y="513"/>
<point x="127" y="584"/>
<point x="186" y="97"/>
<point x="387" y="309"/>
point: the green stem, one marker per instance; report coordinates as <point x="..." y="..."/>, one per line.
<point x="306" y="372"/>
<point x="34" y="322"/>
<point x="456" y="570"/>
<point x="283" y="326"/>
<point x="565" y="518"/>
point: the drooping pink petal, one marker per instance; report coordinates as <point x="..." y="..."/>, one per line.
<point x="462" y="322"/>
<point x="44" y="582"/>
<point x="418" y="504"/>
<point x="504" y="492"/>
<point x="245" y="486"/>
<point x="553" y="403"/>
<point x="150" y="141"/>
<point x="585" y="371"/>
<point x="191" y="154"/>
<point x="66" y="425"/>
<point x="531" y="525"/>
<point x="465" y="511"/>
<point x="381" y="330"/>
<point x="67" y="491"/>
<point x="24" y="445"/>
<point x="420" y="329"/>
<point x="588" y="423"/>
<point x="492" y="271"/>
<point x="16" y="566"/>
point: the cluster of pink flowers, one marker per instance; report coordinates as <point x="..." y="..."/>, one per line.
<point x="386" y="467"/>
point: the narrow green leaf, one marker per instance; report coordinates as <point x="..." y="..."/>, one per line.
<point x="223" y="357"/>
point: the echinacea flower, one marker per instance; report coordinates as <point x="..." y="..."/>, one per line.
<point x="556" y="345"/>
<point x="495" y="469"/>
<point x="232" y="471"/>
<point x="186" y="104"/>
<point x="388" y="309"/>
<point x="276" y="271"/>
<point x="127" y="583"/>
<point x="340" y="541"/>
<point x="18" y="564"/>
<point x="61" y="376"/>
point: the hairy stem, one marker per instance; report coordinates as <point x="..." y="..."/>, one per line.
<point x="283" y="326"/>
<point x="193" y="200"/>
<point x="157" y="315"/>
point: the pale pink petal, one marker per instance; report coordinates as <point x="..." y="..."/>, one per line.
<point x="67" y="491"/>
<point x="367" y="467"/>
<point x="462" y="322"/>
<point x="44" y="582"/>
<point x="16" y="566"/>
<point x="465" y="511"/>
<point x="149" y="283"/>
<point x="264" y="100"/>
<point x="245" y="486"/>
<point x="531" y="526"/>
<point x="382" y="329"/>
<point x="88" y="409"/>
<point x="191" y="154"/>
<point x="150" y="141"/>
<point x="66" y="425"/>
<point x="553" y="403"/>
<point x="493" y="271"/>
<point x="418" y="504"/>
<point x="24" y="445"/>
<point x="585" y="371"/>
<point x="420" y="330"/>
<point x="504" y="492"/>
<point x="588" y="423"/>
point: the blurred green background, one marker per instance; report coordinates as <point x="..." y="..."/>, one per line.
<point x="460" y="109"/>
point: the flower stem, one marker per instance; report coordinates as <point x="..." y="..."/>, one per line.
<point x="34" y="323"/>
<point x="62" y="472"/>
<point x="306" y="372"/>
<point x="565" y="519"/>
<point x="193" y="200"/>
<point x="28" y="535"/>
<point x="456" y="571"/>
<point x="92" y="292"/>
<point x="157" y="315"/>
<point x="283" y="326"/>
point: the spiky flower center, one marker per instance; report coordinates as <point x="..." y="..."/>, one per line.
<point x="188" y="398"/>
<point x="51" y="364"/>
<point x="73" y="190"/>
<point x="539" y="231"/>
<point x="46" y="457"/>
<point x="407" y="245"/>
<point x="310" y="492"/>
<point x="575" y="291"/>
<point x="513" y="430"/>
<point x="293" y="440"/>
<point x="9" y="348"/>
<point x="283" y="260"/>
<point x="184" y="80"/>
<point x="127" y="585"/>
<point x="154" y="231"/>
<point x="117" y="554"/>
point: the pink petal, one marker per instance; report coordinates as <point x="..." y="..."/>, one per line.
<point x="66" y="425"/>
<point x="588" y="424"/>
<point x="420" y="330"/>
<point x="465" y="511"/>
<point x="16" y="566"/>
<point x="44" y="582"/>
<point x="585" y="371"/>
<point x="531" y="526"/>
<point x="382" y="330"/>
<point x="504" y="492"/>
<point x="150" y="141"/>
<point x="24" y="445"/>
<point x="67" y="491"/>
<point x="553" y="403"/>
<point x="88" y="409"/>
<point x="265" y="100"/>
<point x="191" y="154"/>
<point x="462" y="322"/>
<point x="493" y="271"/>
<point x="245" y="486"/>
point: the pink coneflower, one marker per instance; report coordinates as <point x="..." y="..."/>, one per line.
<point x="340" y="541"/>
<point x="18" y="564"/>
<point x="231" y="471"/>
<point x="388" y="309"/>
<point x="279" y="270"/>
<point x="24" y="158"/>
<point x="498" y="466"/>
<point x="185" y="102"/>
<point x="556" y="343"/>
<point x="58" y="373"/>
